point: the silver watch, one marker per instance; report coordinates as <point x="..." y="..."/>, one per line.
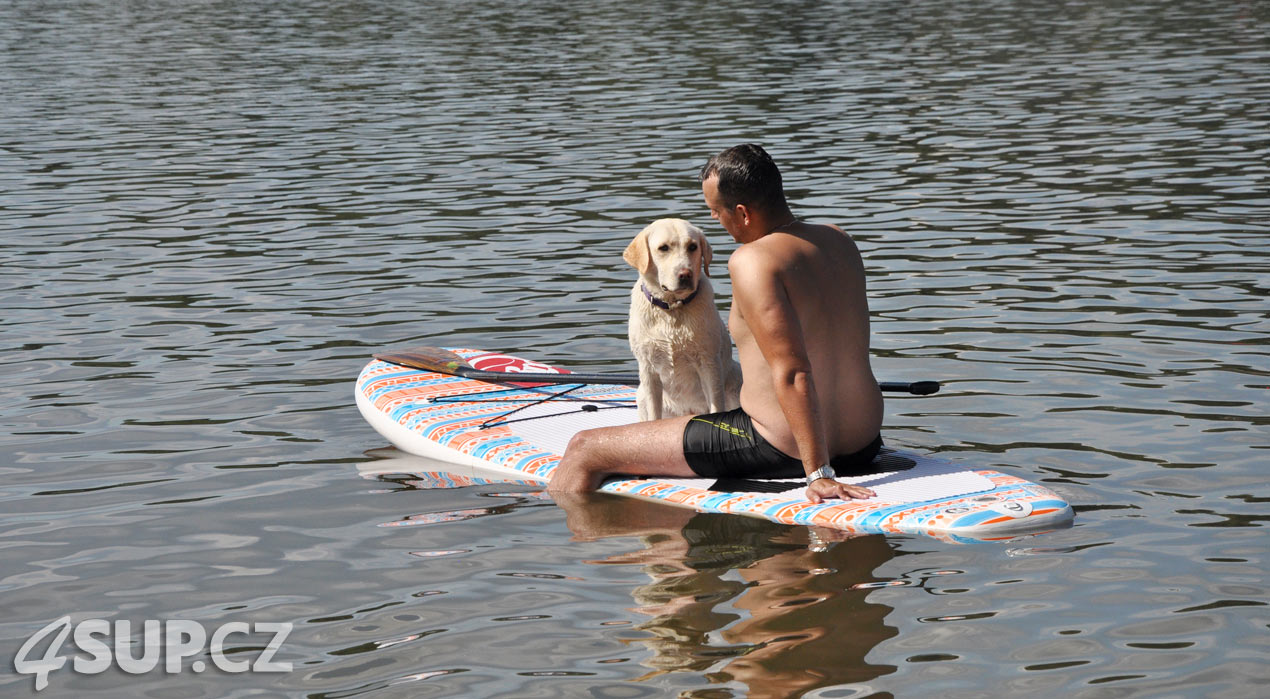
<point x="825" y="471"/>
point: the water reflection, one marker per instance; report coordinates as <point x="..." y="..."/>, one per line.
<point x="744" y="600"/>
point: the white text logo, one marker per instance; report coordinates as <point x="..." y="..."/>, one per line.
<point x="103" y="645"/>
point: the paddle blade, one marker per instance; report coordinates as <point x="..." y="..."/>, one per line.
<point x="427" y="358"/>
<point x="917" y="388"/>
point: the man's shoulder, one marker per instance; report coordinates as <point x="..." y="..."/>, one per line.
<point x="783" y="249"/>
<point x="834" y="238"/>
<point x="754" y="255"/>
<point x="752" y="268"/>
<point x="829" y="229"/>
<point x="761" y="250"/>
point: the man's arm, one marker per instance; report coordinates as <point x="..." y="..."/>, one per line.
<point x="760" y="297"/>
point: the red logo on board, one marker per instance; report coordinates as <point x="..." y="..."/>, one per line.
<point x="508" y="363"/>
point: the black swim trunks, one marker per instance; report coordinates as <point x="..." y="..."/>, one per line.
<point x="726" y="444"/>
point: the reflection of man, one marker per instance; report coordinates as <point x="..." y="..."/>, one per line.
<point x="732" y="598"/>
<point x="809" y="402"/>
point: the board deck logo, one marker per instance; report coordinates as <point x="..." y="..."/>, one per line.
<point x="504" y="362"/>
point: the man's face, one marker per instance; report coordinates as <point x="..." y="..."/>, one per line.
<point x="727" y="217"/>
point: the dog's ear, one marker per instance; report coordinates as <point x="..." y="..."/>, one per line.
<point x="636" y="254"/>
<point x="707" y="254"/>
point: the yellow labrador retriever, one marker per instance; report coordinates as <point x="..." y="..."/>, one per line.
<point x="683" y="349"/>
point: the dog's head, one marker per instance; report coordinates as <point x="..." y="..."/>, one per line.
<point x="671" y="254"/>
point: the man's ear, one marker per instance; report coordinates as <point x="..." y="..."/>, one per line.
<point x="636" y="254"/>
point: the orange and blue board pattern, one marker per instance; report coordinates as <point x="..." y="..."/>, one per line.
<point x="435" y="410"/>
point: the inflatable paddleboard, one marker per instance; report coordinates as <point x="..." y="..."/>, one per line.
<point x="519" y="429"/>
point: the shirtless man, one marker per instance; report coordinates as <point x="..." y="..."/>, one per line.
<point x="809" y="402"/>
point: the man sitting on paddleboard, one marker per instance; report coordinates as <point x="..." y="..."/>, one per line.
<point x="800" y="321"/>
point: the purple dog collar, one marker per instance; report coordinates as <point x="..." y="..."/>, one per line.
<point x="662" y="304"/>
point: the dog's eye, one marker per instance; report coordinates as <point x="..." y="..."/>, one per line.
<point x="692" y="247"/>
<point x="663" y="247"/>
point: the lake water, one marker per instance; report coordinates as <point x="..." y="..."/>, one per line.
<point x="212" y="213"/>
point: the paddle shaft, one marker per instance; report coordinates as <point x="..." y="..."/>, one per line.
<point x="445" y="362"/>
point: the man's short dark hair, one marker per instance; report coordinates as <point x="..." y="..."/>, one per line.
<point x="747" y="175"/>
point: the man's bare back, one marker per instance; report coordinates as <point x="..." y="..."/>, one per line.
<point x="822" y="281"/>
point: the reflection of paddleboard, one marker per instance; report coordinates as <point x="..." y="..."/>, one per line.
<point x="416" y="472"/>
<point x="430" y="474"/>
<point x="520" y="430"/>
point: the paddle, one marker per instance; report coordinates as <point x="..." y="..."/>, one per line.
<point x="446" y="362"/>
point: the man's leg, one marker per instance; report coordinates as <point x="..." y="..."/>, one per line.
<point x="640" y="449"/>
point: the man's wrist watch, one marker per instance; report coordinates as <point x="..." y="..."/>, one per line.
<point x="825" y="471"/>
